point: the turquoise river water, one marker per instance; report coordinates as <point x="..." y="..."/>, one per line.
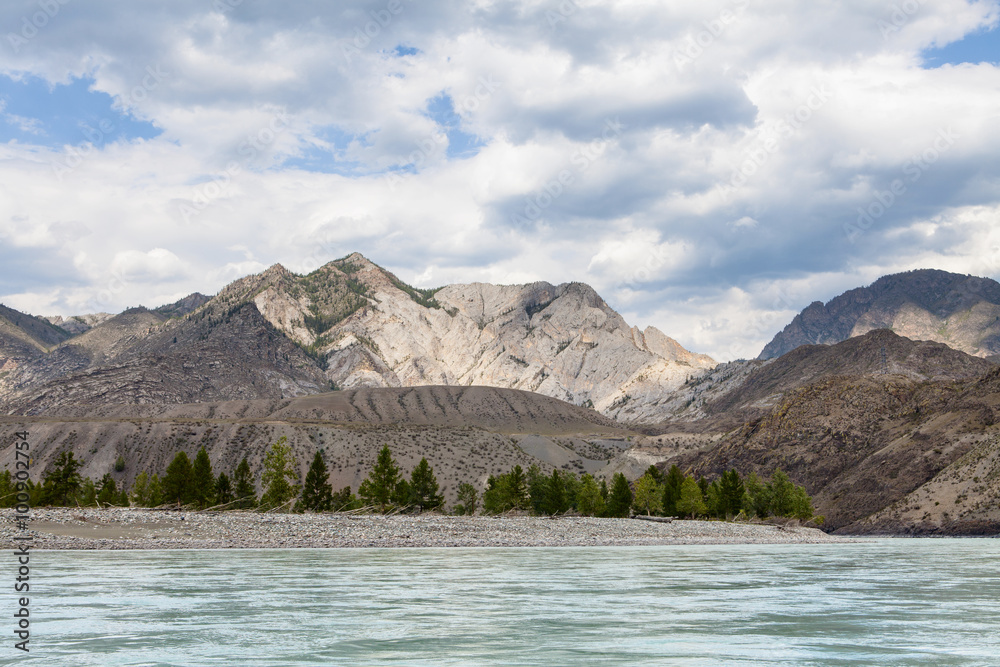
<point x="884" y="602"/>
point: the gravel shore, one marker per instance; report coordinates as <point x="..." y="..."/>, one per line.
<point x="147" y="529"/>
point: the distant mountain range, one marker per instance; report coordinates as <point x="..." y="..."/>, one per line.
<point x="882" y="402"/>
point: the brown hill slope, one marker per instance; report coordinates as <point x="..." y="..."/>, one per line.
<point x="24" y="337"/>
<point x="466" y="433"/>
<point x="958" y="310"/>
<point x="210" y="355"/>
<point x="862" y="443"/>
<point x="877" y="352"/>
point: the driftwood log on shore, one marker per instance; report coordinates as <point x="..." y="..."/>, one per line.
<point x="658" y="519"/>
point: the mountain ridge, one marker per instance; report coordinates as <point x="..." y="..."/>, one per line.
<point x="961" y="311"/>
<point x="352" y="324"/>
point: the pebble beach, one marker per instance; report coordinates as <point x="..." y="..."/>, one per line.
<point x="120" y="528"/>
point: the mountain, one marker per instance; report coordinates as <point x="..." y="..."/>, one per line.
<point x="960" y="311"/>
<point x="864" y="424"/>
<point x="24" y="338"/>
<point x="351" y="324"/>
<point x="78" y="324"/>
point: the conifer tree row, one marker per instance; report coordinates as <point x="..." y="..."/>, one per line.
<point x="386" y="489"/>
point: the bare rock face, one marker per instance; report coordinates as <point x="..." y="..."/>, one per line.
<point x="77" y="324"/>
<point x="960" y="311"/>
<point x="562" y="341"/>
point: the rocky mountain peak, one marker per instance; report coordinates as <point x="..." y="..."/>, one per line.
<point x="958" y="310"/>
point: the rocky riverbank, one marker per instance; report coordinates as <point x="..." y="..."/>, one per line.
<point x="148" y="529"/>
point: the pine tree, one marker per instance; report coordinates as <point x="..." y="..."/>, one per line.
<point x="538" y="486"/>
<point x="782" y="493"/>
<point x="506" y="492"/>
<point x="517" y="488"/>
<point x="672" y="490"/>
<point x="343" y="500"/>
<point x="620" y="497"/>
<point x="107" y="493"/>
<point x="730" y="493"/>
<point x="756" y="497"/>
<point x="380" y="485"/>
<point x="64" y="479"/>
<point x="317" y="493"/>
<point x="88" y="493"/>
<point x="177" y="482"/>
<point x="8" y="490"/>
<point x="202" y="480"/>
<point x="692" y="502"/>
<point x="140" y="490"/>
<point x="279" y="478"/>
<point x="155" y="491"/>
<point x="424" y="487"/>
<point x="468" y="500"/>
<point x="555" y="501"/>
<point x="648" y="495"/>
<point x="655" y="473"/>
<point x="588" y="498"/>
<point x="223" y="489"/>
<point x="801" y="504"/>
<point x="243" y="487"/>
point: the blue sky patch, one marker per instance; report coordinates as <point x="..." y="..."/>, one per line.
<point x="37" y="113"/>
<point x="327" y="155"/>
<point x="461" y="145"/>
<point x="401" y="51"/>
<point x="979" y="47"/>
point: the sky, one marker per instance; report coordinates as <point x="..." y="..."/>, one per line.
<point x="710" y="168"/>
